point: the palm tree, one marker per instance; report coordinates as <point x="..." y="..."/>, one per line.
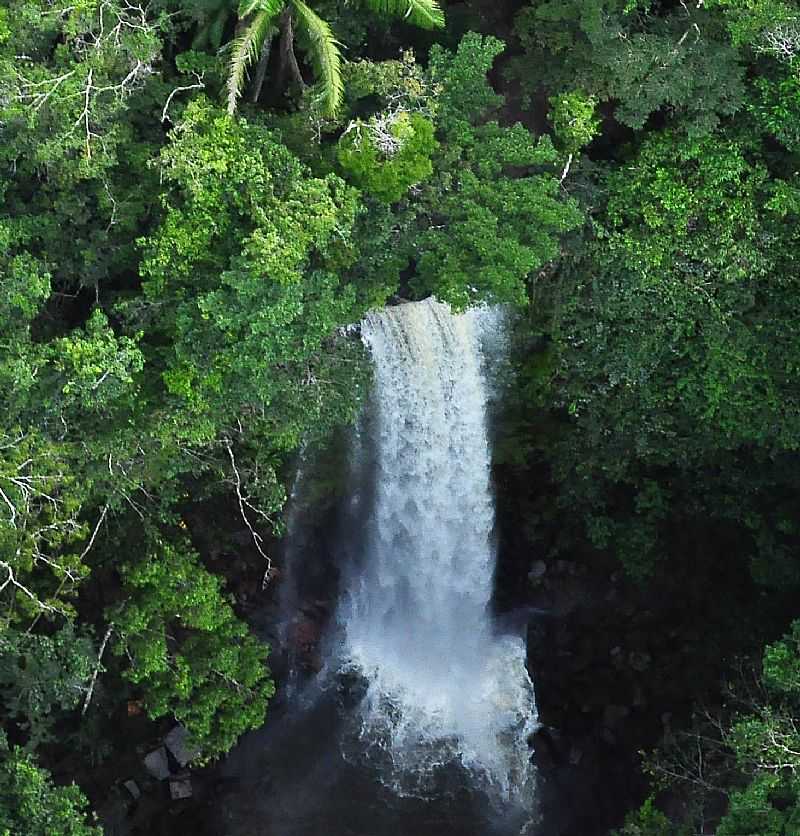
<point x="261" y="20"/>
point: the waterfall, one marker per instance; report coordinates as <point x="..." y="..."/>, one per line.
<point x="442" y="686"/>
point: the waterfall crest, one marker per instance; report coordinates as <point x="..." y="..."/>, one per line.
<point x="442" y="686"/>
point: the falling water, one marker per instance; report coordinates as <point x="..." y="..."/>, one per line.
<point x="442" y="687"/>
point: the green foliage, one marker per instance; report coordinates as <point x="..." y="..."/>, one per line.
<point x="465" y="97"/>
<point x="176" y="286"/>
<point x="70" y="69"/>
<point x="39" y="524"/>
<point x="750" y="753"/>
<point x="777" y="108"/>
<point x="245" y="48"/>
<point x="240" y="276"/>
<point x="646" y="821"/>
<point x="257" y="19"/>
<point x="77" y="79"/>
<point x="766" y="743"/>
<point x="42" y="677"/>
<point x="423" y="13"/>
<point x="31" y="805"/>
<point x="689" y="246"/>
<point x="387" y="156"/>
<point x="766" y="26"/>
<point x="325" y="58"/>
<point x="752" y="814"/>
<point x="679" y="62"/>
<point x="574" y="121"/>
<point x="188" y="652"/>
<point x="96" y="369"/>
<point x="782" y="664"/>
<point x="401" y="82"/>
<point x="487" y="228"/>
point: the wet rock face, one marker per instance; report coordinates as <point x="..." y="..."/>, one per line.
<point x="177" y="742"/>
<point x="303" y="638"/>
<point x="156" y="763"/>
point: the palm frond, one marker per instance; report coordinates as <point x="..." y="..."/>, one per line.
<point x="325" y="57"/>
<point x="243" y="51"/>
<point x="251" y="7"/>
<point x="427" y="14"/>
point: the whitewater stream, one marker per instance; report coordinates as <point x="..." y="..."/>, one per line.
<point x="442" y="685"/>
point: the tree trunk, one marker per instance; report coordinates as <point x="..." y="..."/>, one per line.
<point x="288" y="58"/>
<point x="261" y="68"/>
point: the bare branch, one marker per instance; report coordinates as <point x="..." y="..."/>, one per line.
<point x="565" y="171"/>
<point x="781" y="40"/>
<point x="102" y="650"/>
<point x="199" y="85"/>
<point x="244" y="502"/>
<point x="94" y="533"/>
<point x="12" y="579"/>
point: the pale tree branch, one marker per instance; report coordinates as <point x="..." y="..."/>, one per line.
<point x="245" y="503"/>
<point x="12" y="579"/>
<point x="93" y="682"/>
<point x="781" y="40"/>
<point x="198" y="85"/>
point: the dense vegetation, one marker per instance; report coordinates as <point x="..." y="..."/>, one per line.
<point x="197" y="198"/>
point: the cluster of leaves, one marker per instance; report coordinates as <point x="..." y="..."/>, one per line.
<point x="691" y="245"/>
<point x="645" y="57"/>
<point x="31" y="804"/>
<point x="386" y="157"/>
<point x="241" y="282"/>
<point x="766" y="745"/>
<point x="187" y="650"/>
<point x="493" y="212"/>
<point x="647" y="821"/>
<point x="44" y="676"/>
<point x="574" y="119"/>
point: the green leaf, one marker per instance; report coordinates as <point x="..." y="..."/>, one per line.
<point x="325" y="57"/>
<point x="427" y="14"/>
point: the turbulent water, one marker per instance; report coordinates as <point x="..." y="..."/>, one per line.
<point x="442" y="687"/>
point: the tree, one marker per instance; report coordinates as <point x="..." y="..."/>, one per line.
<point x="42" y="678"/>
<point x="188" y="652"/>
<point x="388" y="155"/>
<point x="30" y="804"/>
<point x="76" y="79"/>
<point x="748" y="752"/>
<point x="776" y="106"/>
<point x="258" y="20"/>
<point x="691" y="247"/>
<point x="769" y="27"/>
<point x="640" y="56"/>
<point x="242" y="280"/>
<point x="492" y="212"/>
<point x="647" y="821"/>
<point x="574" y="120"/>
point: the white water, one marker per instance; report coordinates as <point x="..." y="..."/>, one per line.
<point x="442" y="686"/>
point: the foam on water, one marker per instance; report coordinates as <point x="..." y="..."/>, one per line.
<point x="442" y="686"/>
